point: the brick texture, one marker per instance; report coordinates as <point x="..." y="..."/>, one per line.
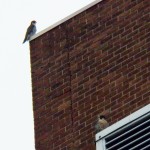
<point x="96" y="62"/>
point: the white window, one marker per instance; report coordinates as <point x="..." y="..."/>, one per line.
<point x="130" y="133"/>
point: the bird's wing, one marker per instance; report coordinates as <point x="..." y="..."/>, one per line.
<point x="29" y="30"/>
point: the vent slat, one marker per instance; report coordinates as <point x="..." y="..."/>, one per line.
<point x="145" y="148"/>
<point x="127" y="132"/>
<point x="133" y="136"/>
<point x="129" y="137"/>
<point x="133" y="142"/>
<point x="139" y="145"/>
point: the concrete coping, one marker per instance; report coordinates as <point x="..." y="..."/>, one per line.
<point x="65" y="19"/>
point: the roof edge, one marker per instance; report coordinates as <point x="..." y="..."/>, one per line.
<point x="65" y="19"/>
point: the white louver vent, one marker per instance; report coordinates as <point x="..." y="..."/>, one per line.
<point x="134" y="136"/>
<point x="130" y="133"/>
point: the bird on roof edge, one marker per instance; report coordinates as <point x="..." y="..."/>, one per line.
<point x="30" y="31"/>
<point x="101" y="123"/>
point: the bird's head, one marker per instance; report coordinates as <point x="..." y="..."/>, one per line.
<point x="102" y="117"/>
<point x="33" y="22"/>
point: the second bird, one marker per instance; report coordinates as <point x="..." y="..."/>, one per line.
<point x="101" y="123"/>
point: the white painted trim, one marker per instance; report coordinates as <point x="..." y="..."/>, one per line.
<point x="123" y="122"/>
<point x="65" y="19"/>
<point x="100" y="145"/>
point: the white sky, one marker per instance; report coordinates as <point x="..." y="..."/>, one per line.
<point x="16" y="117"/>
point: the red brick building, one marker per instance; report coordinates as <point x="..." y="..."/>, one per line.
<point x="95" y="61"/>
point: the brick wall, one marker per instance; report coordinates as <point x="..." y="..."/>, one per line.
<point x="96" y="62"/>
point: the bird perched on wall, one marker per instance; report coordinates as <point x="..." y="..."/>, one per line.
<point x="101" y="123"/>
<point x="30" y="31"/>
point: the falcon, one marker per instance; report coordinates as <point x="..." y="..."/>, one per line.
<point x="101" y="123"/>
<point x="30" y="31"/>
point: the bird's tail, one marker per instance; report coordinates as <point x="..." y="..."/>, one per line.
<point x="27" y="38"/>
<point x="24" y="41"/>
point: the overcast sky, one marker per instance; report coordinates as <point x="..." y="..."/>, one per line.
<point x="16" y="116"/>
